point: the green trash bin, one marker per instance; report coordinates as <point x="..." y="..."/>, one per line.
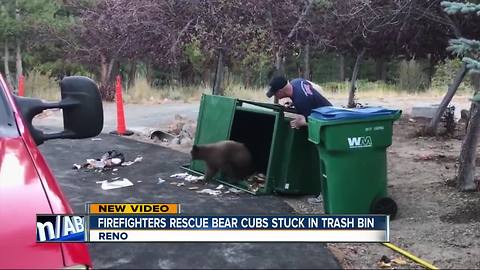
<point x="284" y="155"/>
<point x="353" y="163"/>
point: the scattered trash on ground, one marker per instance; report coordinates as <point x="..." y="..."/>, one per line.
<point x="234" y="190"/>
<point x="256" y="182"/>
<point x="181" y="184"/>
<point x="399" y="261"/>
<point x="219" y="187"/>
<point x="179" y="175"/>
<point x="385" y="262"/>
<point x="109" y="160"/>
<point x="193" y="188"/>
<point x="106" y="185"/>
<point x="139" y="181"/>
<point x="316" y="200"/>
<point x="128" y="163"/>
<point x="210" y="192"/>
<point x="160" y="181"/>
<point x="96" y="139"/>
<point x="181" y="131"/>
<point x="187" y="177"/>
<point x="77" y="166"/>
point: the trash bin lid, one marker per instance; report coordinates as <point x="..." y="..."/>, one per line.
<point x="337" y="113"/>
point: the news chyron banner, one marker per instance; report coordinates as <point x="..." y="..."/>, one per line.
<point x="164" y="223"/>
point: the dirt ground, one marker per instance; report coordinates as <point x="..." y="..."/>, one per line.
<point x="435" y="222"/>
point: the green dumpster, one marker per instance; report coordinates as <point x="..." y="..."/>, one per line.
<point x="353" y="163"/>
<point x="284" y="155"/>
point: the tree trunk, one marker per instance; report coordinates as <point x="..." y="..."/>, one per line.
<point x="19" y="64"/>
<point x="107" y="87"/>
<point x="219" y="73"/>
<point x="431" y="129"/>
<point x="353" y="87"/>
<point x="342" y="68"/>
<point x="431" y="69"/>
<point x="8" y="75"/>
<point x="306" y="62"/>
<point x="466" y="170"/>
<point x="132" y="73"/>
<point x="279" y="69"/>
<point x="381" y="69"/>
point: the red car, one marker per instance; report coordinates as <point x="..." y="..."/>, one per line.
<point x="27" y="186"/>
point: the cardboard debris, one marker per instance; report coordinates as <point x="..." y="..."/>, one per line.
<point x="116" y="184"/>
<point x="384" y="265"/>
<point x="210" y="192"/>
<point x="399" y="261"/>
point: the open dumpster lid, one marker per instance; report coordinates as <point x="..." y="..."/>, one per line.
<point x="337" y="113"/>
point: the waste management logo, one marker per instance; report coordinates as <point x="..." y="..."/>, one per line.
<point x="60" y="228"/>
<point x="360" y="142"/>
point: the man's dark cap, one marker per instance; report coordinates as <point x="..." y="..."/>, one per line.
<point x="276" y="84"/>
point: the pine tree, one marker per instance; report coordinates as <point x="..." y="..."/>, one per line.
<point x="469" y="50"/>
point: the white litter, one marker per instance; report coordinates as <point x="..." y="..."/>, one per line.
<point x="234" y="190"/>
<point x="180" y="184"/>
<point x="219" y="187"/>
<point x="316" y="200"/>
<point x="127" y="163"/>
<point x="76" y="166"/>
<point x="96" y="139"/>
<point x="116" y="184"/>
<point x="138" y="159"/>
<point x="193" y="188"/>
<point x="116" y="161"/>
<point x="179" y="175"/>
<point x="193" y="179"/>
<point x="210" y="191"/>
<point x="160" y="181"/>
<point x="115" y="169"/>
<point x="139" y="181"/>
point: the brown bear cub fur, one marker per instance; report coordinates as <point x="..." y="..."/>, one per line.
<point x="231" y="158"/>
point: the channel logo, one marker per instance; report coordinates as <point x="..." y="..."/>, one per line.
<point x="60" y="228"/>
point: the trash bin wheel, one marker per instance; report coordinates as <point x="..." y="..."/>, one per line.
<point x="385" y="206"/>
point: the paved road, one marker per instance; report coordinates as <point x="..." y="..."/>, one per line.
<point x="80" y="188"/>
<point x="138" y="117"/>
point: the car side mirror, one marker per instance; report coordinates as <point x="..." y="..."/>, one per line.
<point x="81" y="105"/>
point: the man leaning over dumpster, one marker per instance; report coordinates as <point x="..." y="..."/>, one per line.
<point x="304" y="97"/>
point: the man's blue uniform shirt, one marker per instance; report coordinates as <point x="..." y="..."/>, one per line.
<point x="305" y="98"/>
